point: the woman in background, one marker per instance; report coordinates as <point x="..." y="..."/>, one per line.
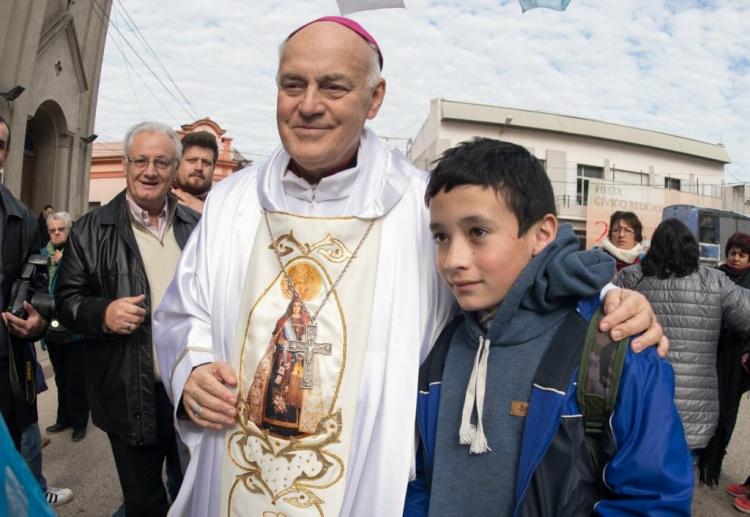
<point x="625" y="237"/>
<point x="692" y="303"/>
<point x="733" y="379"/>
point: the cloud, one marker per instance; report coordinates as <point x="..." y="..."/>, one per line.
<point x="679" y="67"/>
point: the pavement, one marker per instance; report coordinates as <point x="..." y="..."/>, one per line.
<point x="88" y="469"/>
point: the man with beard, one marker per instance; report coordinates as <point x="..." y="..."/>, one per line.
<point x="196" y="173"/>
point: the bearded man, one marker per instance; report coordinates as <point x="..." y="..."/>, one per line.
<point x="195" y="175"/>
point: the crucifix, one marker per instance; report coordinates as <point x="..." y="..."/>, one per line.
<point x="309" y="347"/>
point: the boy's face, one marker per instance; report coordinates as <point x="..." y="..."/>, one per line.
<point x="479" y="252"/>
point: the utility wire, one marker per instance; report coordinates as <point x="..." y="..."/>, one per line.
<point x="135" y="96"/>
<point x="128" y="64"/>
<point x="134" y="28"/>
<point x="138" y="55"/>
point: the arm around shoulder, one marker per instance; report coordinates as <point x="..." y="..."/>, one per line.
<point x="651" y="471"/>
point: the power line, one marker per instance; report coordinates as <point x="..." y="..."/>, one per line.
<point x="138" y="55"/>
<point x="135" y="96"/>
<point x="127" y="62"/>
<point x="138" y="33"/>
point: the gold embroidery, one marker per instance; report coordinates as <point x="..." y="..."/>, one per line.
<point x="333" y="249"/>
<point x="307" y="464"/>
<point x="292" y="469"/>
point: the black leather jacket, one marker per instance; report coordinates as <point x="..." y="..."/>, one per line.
<point x="102" y="263"/>
<point x="20" y="239"/>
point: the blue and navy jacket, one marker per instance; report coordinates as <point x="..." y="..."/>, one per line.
<point x="646" y="469"/>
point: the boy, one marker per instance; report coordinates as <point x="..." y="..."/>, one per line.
<point x="500" y="430"/>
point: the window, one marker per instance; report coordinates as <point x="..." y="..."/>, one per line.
<point x="672" y="183"/>
<point x="707" y="228"/>
<point x="582" y="182"/>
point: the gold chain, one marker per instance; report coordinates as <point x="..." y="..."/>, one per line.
<point x="289" y="281"/>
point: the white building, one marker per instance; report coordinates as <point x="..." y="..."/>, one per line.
<point x="590" y="162"/>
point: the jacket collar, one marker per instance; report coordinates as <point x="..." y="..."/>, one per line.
<point x="116" y="211"/>
<point x="13" y="207"/>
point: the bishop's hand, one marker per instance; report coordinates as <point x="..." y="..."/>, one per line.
<point x="629" y="313"/>
<point x="206" y="398"/>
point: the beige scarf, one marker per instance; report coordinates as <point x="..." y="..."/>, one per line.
<point x="627" y="256"/>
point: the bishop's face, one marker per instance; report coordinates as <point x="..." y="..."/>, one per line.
<point x="324" y="97"/>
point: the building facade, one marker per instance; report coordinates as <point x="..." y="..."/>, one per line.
<point x="50" y="63"/>
<point x="595" y="167"/>
<point x="108" y="174"/>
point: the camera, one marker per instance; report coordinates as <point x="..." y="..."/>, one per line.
<point x="33" y="272"/>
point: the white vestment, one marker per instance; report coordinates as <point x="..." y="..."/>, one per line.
<point x="197" y="321"/>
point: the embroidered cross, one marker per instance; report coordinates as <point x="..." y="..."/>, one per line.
<point x="309" y="347"/>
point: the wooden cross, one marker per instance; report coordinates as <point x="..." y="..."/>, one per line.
<point x="309" y="347"/>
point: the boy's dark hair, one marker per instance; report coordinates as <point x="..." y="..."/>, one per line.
<point x="674" y="252"/>
<point x="7" y="144"/>
<point x="631" y="219"/>
<point x="739" y="240"/>
<point x="510" y="169"/>
<point x="201" y="139"/>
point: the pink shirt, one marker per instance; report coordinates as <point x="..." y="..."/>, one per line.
<point x="141" y="217"/>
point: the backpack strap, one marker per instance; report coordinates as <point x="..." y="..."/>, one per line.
<point x="599" y="376"/>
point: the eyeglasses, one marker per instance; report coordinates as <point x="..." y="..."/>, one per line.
<point x="141" y="163"/>
<point x="623" y="229"/>
<point x="56" y="230"/>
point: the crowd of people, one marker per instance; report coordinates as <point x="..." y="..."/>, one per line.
<point x="259" y="350"/>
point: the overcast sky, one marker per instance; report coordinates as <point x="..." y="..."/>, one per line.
<point x="680" y="67"/>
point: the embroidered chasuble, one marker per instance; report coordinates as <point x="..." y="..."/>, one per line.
<point x="299" y="350"/>
<point x="326" y="390"/>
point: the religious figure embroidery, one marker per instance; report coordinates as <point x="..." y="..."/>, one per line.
<point x="290" y="427"/>
<point x="288" y="389"/>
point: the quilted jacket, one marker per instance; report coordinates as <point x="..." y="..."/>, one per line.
<point x="691" y="310"/>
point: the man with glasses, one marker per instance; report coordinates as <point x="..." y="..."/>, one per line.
<point x="118" y="262"/>
<point x="195" y="175"/>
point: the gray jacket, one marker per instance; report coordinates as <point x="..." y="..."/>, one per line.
<point x="691" y="310"/>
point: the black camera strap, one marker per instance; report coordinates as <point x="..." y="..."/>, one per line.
<point x="29" y="382"/>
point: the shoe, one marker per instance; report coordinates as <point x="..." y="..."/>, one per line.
<point x="45" y="441"/>
<point x="79" y="434"/>
<point x="57" y="496"/>
<point x="56" y="428"/>
<point x="742" y="504"/>
<point x="738" y="489"/>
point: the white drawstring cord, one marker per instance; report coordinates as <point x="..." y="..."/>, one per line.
<point x="468" y="433"/>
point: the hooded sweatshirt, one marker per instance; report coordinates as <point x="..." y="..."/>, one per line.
<point x="548" y="288"/>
